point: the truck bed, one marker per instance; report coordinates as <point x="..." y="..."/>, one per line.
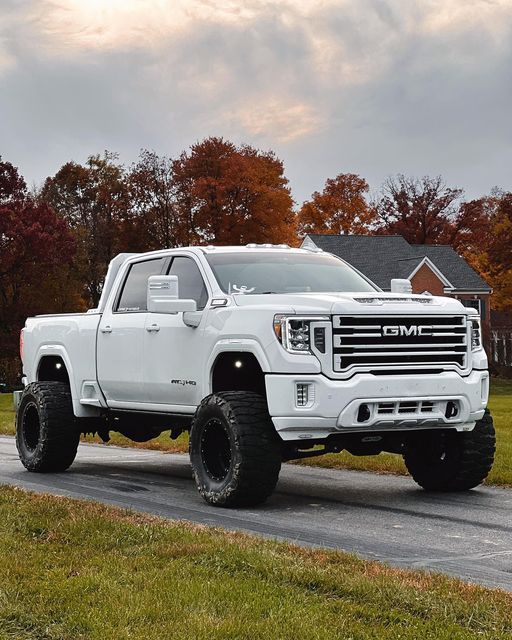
<point x="70" y="336"/>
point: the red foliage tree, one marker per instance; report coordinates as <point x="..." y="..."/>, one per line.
<point x="36" y="248"/>
<point x="423" y="211"/>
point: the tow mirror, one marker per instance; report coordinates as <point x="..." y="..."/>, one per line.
<point x="163" y="296"/>
<point x="401" y="285"/>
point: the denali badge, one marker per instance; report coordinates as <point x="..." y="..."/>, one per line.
<point x="403" y="330"/>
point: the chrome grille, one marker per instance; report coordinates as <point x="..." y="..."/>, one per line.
<point x="389" y="341"/>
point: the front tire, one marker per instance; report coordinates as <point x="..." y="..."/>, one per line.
<point x="234" y="449"/>
<point x="46" y="433"/>
<point x="452" y="461"/>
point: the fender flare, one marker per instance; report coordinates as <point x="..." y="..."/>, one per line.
<point x="230" y="345"/>
<point x="59" y="351"/>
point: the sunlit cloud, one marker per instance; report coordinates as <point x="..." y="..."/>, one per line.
<point x="275" y="119"/>
<point x="374" y="86"/>
<point x="122" y="24"/>
<point x="453" y="15"/>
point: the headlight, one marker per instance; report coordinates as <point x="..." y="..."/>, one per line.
<point x="294" y="332"/>
<point x="476" y="333"/>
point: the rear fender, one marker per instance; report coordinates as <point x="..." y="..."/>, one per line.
<point x="58" y="350"/>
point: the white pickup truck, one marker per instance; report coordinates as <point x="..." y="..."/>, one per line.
<point x="264" y="353"/>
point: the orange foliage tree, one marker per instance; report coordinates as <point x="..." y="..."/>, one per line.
<point x="489" y="251"/>
<point x="340" y="208"/>
<point x="226" y="194"/>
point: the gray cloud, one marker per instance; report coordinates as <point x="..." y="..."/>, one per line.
<point x="369" y="86"/>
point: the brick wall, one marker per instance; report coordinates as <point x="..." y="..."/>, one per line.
<point x="426" y="280"/>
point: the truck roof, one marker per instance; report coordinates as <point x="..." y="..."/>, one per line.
<point x="117" y="262"/>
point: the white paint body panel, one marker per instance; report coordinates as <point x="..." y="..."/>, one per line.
<point x="131" y="367"/>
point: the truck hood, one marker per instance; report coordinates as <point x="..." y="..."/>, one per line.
<point x="352" y="303"/>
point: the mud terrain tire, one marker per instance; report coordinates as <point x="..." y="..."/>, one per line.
<point x="452" y="461"/>
<point x="46" y="431"/>
<point x="234" y="449"/>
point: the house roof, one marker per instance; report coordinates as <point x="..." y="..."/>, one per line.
<point x="381" y="258"/>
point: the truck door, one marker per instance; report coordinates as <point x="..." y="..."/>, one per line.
<point x="174" y="354"/>
<point x="121" y="337"/>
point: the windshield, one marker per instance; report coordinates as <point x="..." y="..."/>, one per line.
<point x="275" y="272"/>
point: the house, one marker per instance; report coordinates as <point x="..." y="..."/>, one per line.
<point x="434" y="269"/>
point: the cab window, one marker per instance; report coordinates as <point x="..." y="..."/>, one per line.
<point x="133" y="296"/>
<point x="190" y="281"/>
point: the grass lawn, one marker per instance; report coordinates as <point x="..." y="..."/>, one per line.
<point x="500" y="405"/>
<point x="79" y="570"/>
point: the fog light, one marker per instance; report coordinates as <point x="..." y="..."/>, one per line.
<point x="363" y="415"/>
<point x="452" y="410"/>
<point x="304" y="394"/>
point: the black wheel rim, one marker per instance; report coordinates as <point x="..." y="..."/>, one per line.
<point x="31" y="427"/>
<point x="216" y="450"/>
<point x="439" y="451"/>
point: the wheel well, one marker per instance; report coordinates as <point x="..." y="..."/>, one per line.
<point x="238" y="371"/>
<point x="52" y="369"/>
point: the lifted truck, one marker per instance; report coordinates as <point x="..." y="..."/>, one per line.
<point x="265" y="354"/>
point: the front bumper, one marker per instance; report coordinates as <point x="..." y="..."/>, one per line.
<point x="394" y="402"/>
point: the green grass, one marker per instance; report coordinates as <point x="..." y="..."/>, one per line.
<point x="78" y="570"/>
<point x="500" y="404"/>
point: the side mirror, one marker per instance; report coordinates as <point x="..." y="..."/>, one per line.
<point x="163" y="296"/>
<point x="400" y="285"/>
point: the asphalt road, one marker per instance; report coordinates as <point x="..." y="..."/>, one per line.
<point x="378" y="517"/>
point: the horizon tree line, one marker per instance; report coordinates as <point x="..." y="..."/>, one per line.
<point x="56" y="243"/>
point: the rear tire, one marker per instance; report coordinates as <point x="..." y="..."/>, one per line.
<point x="234" y="449"/>
<point x="47" y="436"/>
<point x="452" y="461"/>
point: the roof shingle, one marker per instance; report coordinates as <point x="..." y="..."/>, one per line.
<point x="382" y="258"/>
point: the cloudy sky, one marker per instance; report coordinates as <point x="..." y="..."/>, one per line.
<point x="374" y="87"/>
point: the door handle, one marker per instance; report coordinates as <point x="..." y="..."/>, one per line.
<point x="106" y="329"/>
<point x="153" y="327"/>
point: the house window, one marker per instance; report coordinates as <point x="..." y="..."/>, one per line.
<point x="475" y="304"/>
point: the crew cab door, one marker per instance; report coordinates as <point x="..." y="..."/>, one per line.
<point x="121" y="336"/>
<point x="174" y="354"/>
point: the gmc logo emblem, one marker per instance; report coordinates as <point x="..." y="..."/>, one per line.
<point x="402" y="330"/>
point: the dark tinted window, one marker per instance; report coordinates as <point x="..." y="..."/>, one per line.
<point x="134" y="294"/>
<point x="477" y="304"/>
<point x="190" y="282"/>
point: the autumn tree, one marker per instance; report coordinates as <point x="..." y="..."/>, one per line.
<point x="232" y="195"/>
<point x="423" y="211"/>
<point x="93" y="199"/>
<point x="340" y="208"/>
<point x="490" y="252"/>
<point x="155" y="221"/>
<point x="36" y="248"/>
